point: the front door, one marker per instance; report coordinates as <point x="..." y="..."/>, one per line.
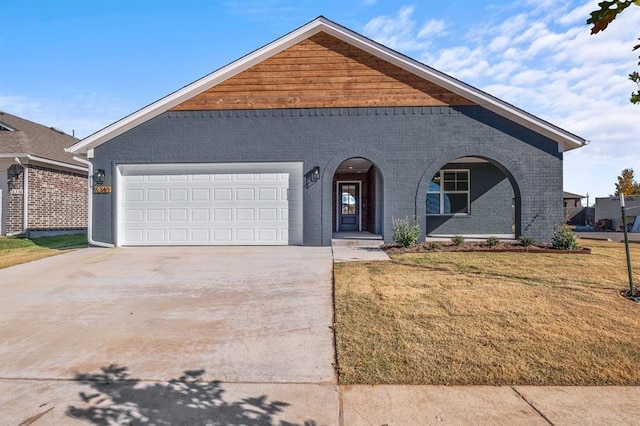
<point x="349" y="206"/>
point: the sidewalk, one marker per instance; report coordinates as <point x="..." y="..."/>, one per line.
<point x="489" y="405"/>
<point x="357" y="247"/>
<point x="56" y="402"/>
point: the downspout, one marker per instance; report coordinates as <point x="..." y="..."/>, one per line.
<point x="90" y="206"/>
<point x="25" y="197"/>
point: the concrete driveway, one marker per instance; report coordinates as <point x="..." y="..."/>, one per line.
<point x="98" y="324"/>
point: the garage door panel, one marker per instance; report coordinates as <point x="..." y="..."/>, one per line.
<point x="205" y="208"/>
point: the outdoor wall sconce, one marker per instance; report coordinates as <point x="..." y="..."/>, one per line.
<point x="98" y="177"/>
<point x="312" y="176"/>
<point x="12" y="176"/>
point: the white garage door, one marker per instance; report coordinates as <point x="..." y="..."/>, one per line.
<point x="213" y="204"/>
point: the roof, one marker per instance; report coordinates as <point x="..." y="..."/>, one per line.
<point x="25" y="139"/>
<point x="565" y="139"/>
<point x="566" y="194"/>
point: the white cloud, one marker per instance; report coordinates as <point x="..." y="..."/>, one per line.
<point x="399" y="31"/>
<point x="543" y="60"/>
<point x="432" y="28"/>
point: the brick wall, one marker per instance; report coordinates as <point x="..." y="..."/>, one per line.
<point x="15" y="203"/>
<point x="371" y="199"/>
<point x="408" y="145"/>
<point x="57" y="199"/>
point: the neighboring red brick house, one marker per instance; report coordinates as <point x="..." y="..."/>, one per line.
<point x="43" y="191"/>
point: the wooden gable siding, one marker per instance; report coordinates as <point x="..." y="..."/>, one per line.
<point x="320" y="72"/>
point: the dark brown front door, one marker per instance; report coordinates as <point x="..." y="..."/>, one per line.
<point x="349" y="206"/>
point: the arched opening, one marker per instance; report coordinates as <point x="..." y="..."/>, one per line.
<point x="357" y="196"/>
<point x="475" y="197"/>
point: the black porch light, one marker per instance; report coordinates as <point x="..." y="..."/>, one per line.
<point x="315" y="174"/>
<point x="12" y="175"/>
<point x="98" y="177"/>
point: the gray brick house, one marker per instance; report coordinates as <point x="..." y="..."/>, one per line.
<point x="323" y="131"/>
<point x="43" y="191"/>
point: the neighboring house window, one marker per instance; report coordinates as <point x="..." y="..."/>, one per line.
<point x="448" y="193"/>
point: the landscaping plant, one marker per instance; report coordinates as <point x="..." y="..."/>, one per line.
<point x="458" y="240"/>
<point x="406" y="231"/>
<point x="492" y="241"/>
<point x="563" y="238"/>
<point x="526" y="240"/>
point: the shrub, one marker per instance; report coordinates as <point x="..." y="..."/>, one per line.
<point x="492" y="241"/>
<point x="406" y="231"/>
<point x="526" y="241"/>
<point x="563" y="238"/>
<point x="434" y="245"/>
<point x="457" y="240"/>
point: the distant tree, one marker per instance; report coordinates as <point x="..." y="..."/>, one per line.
<point x="601" y="19"/>
<point x="627" y="184"/>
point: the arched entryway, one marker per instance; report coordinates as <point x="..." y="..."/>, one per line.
<point x="357" y="194"/>
<point x="472" y="196"/>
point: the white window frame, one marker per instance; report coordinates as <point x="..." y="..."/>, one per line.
<point x="442" y="193"/>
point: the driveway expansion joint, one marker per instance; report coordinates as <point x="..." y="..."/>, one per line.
<point x="531" y="404"/>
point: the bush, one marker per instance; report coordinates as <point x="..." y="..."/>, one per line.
<point x="457" y="240"/>
<point x="434" y="245"/>
<point x="492" y="241"/>
<point x="563" y="238"/>
<point x="526" y="241"/>
<point x="406" y="231"/>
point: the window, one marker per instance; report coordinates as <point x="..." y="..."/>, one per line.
<point x="448" y="192"/>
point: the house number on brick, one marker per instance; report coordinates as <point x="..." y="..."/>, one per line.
<point x="16" y="192"/>
<point x="102" y="190"/>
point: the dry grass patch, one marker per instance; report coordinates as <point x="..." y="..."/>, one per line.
<point x="489" y="318"/>
<point x="14" y="251"/>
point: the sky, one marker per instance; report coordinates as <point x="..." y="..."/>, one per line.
<point x="80" y="65"/>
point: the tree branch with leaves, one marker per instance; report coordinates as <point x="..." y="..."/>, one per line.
<point x="601" y="18"/>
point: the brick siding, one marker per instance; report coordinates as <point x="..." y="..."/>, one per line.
<point x="408" y="145"/>
<point x="57" y="200"/>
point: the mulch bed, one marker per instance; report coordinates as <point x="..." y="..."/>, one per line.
<point x="472" y="246"/>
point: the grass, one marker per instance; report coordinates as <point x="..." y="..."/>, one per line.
<point x="489" y="318"/>
<point x="14" y="251"/>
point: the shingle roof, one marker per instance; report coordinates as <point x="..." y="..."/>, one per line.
<point x="27" y="137"/>
<point x="566" y="194"/>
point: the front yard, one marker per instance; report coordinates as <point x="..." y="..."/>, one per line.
<point x="14" y="251"/>
<point x="489" y="318"/>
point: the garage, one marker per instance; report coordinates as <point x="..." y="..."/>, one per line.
<point x="209" y="204"/>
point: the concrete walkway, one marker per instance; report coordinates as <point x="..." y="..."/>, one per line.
<point x="357" y="247"/>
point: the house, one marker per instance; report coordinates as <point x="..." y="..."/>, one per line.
<point x="43" y="190"/>
<point x="571" y="200"/>
<point x="609" y="212"/>
<point x="324" y="131"/>
<point x="574" y="212"/>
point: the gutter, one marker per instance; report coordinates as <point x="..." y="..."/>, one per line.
<point x="55" y="163"/>
<point x="90" y="206"/>
<point x="43" y="160"/>
<point x="25" y="197"/>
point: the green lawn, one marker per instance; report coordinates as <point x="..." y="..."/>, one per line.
<point x="14" y="251"/>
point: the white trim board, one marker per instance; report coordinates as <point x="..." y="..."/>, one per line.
<point x="565" y="139"/>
